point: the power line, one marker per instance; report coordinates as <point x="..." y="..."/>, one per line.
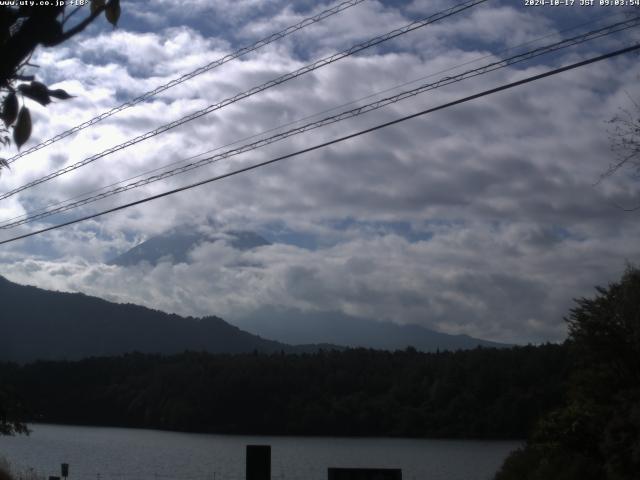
<point x="317" y="114"/>
<point x="334" y="141"/>
<point x="493" y="66"/>
<point x="308" y="117"/>
<point x="188" y="76"/>
<point x="272" y="83"/>
<point x="48" y="207"/>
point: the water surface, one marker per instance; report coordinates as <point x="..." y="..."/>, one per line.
<point x="96" y="453"/>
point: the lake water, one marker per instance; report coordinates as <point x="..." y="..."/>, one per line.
<point x="96" y="453"/>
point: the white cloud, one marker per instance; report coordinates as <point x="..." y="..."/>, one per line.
<point x="504" y="184"/>
<point x="509" y="283"/>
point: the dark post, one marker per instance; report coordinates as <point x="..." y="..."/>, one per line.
<point x="258" y="462"/>
<point x="364" y="474"/>
<point x="64" y="470"/>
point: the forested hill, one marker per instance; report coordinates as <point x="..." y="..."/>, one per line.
<point x="41" y="324"/>
<point x="482" y="393"/>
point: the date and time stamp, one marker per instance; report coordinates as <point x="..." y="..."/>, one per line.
<point x="526" y="3"/>
<point x="581" y="3"/>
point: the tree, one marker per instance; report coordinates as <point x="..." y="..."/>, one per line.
<point x="597" y="433"/>
<point x="22" y="30"/>
<point x="625" y="139"/>
<point x="10" y="413"/>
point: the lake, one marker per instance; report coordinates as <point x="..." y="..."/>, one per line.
<point x="96" y="453"/>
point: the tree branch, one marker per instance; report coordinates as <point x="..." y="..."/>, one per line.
<point x="75" y="10"/>
<point x="79" y="27"/>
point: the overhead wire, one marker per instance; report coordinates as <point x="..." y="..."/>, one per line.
<point x="337" y="107"/>
<point x="469" y="98"/>
<point x="240" y="96"/>
<point x="188" y="76"/>
<point x="493" y="66"/>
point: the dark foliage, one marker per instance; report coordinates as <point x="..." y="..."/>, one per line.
<point x="482" y="393"/>
<point x="11" y="412"/>
<point x="597" y="433"/>
<point x="22" y="29"/>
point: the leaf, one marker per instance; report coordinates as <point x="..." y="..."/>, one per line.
<point x="60" y="94"/>
<point x="50" y="33"/>
<point x="22" y="130"/>
<point x="95" y="5"/>
<point x="112" y="12"/>
<point x="10" y="109"/>
<point x="36" y="91"/>
<point x="4" y="34"/>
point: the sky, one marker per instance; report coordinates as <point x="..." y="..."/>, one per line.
<point x="487" y="218"/>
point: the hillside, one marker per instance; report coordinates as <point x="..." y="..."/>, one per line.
<point x="42" y="324"/>
<point x="39" y="324"/>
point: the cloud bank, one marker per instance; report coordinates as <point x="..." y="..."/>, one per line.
<point x="480" y="219"/>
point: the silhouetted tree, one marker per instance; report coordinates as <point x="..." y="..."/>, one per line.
<point x="482" y="393"/>
<point x="22" y="29"/>
<point x="624" y="138"/>
<point x="10" y="413"/>
<point x="596" y="435"/>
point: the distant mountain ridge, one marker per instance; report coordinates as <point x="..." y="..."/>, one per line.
<point x="47" y="325"/>
<point x="292" y="326"/>
<point x="175" y="245"/>
<point x="42" y="324"/>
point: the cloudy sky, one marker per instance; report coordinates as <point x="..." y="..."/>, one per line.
<point x="485" y="218"/>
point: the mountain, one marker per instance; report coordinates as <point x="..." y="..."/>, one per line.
<point x="42" y="324"/>
<point x="176" y="244"/>
<point x="293" y="326"/>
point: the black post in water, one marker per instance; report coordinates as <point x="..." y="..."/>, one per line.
<point x="364" y="474"/>
<point x="258" y="462"/>
<point x="64" y="470"/>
